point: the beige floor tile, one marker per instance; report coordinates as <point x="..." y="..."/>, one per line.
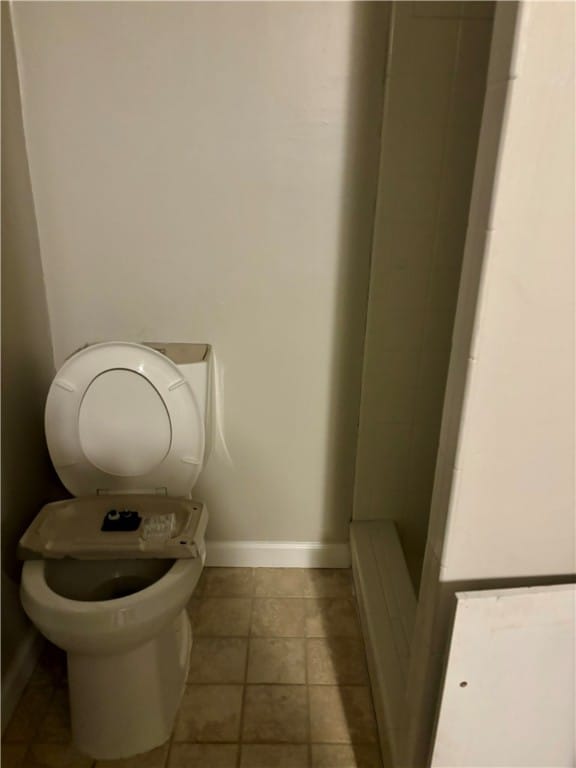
<point x="55" y="726"/>
<point x="218" y="660"/>
<point x="331" y="617"/>
<point x="13" y="755"/>
<point x="51" y="667"/>
<point x="203" y="756"/>
<point x="341" y="715"/>
<point x="275" y="713"/>
<point x="276" y="660"/>
<point x="345" y="756"/>
<point x="209" y="713"/>
<point x="56" y="756"/>
<point x="156" y="758"/>
<point x="280" y="582"/>
<point x="222" y="617"/>
<point x="228" y="582"/>
<point x="193" y="608"/>
<point x="329" y="582"/>
<point x="29" y="712"/>
<point x="336" y="661"/>
<point x="274" y="756"/>
<point x="278" y="617"/>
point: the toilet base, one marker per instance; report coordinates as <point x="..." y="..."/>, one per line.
<point x="125" y="704"/>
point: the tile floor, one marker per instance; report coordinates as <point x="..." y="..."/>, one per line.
<point x="277" y="680"/>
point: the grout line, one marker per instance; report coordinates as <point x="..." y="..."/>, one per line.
<point x="282" y="597"/>
<point x="171" y="739"/>
<point x="263" y="742"/>
<point x="176" y="718"/>
<point x="267" y="685"/>
<point x="245" y="684"/>
<point x="308" y="711"/>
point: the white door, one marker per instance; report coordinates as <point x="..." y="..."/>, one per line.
<point x="510" y="686"/>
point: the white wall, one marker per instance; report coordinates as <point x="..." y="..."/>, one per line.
<point x="510" y="509"/>
<point x="206" y="172"/>
<point x="512" y="505"/>
<point x="435" y="86"/>
<point x="503" y="509"/>
<point x="27" y="369"/>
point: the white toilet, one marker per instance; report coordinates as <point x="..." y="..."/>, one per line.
<point x="125" y="427"/>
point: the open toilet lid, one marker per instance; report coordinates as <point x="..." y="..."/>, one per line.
<point x="121" y="418"/>
<point x="94" y="528"/>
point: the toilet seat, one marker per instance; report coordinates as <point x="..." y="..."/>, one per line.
<point x="120" y="418"/>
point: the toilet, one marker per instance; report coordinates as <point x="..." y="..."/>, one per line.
<point x="108" y="574"/>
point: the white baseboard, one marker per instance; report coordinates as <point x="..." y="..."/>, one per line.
<point x="17" y="675"/>
<point x="278" y="554"/>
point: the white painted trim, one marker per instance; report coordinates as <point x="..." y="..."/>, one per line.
<point x="19" y="672"/>
<point x="387" y="605"/>
<point x="278" y="554"/>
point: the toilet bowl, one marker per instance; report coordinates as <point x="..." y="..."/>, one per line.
<point x="106" y="606"/>
<point x="125" y="432"/>
<point x="124" y="626"/>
